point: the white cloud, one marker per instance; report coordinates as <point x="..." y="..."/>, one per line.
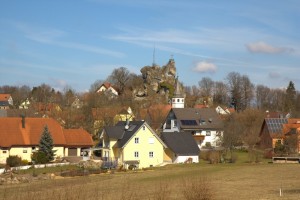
<point x="274" y="75"/>
<point x="262" y="47"/>
<point x="205" y="66"/>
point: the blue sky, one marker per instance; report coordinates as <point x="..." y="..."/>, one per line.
<point x="76" y="42"/>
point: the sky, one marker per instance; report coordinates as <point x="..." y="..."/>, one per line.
<point x="73" y="43"/>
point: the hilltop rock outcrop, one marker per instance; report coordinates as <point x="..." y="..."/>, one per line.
<point x="154" y="76"/>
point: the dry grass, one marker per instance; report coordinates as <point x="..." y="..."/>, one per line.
<point x="221" y="181"/>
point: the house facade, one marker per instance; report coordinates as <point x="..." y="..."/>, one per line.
<point x="204" y="124"/>
<point x="20" y="136"/>
<point x="132" y="143"/>
<point x="109" y="89"/>
<point x="182" y="148"/>
<point x="5" y="101"/>
<point x="25" y="104"/>
<point x="276" y="130"/>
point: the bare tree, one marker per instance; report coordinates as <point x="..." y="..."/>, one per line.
<point x="247" y="90"/>
<point x="277" y="98"/>
<point x="241" y="90"/>
<point x="232" y="134"/>
<point x="120" y="77"/>
<point x="220" y="93"/>
<point x="206" y="86"/>
<point x="262" y="97"/>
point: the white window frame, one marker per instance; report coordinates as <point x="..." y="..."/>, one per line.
<point x="151" y="140"/>
<point x="136" y="154"/>
<point x="151" y="154"/>
<point x="136" y="140"/>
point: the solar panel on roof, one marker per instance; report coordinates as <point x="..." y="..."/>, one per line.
<point x="131" y="127"/>
<point x="275" y="125"/>
<point x="188" y="122"/>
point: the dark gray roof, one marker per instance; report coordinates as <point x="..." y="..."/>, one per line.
<point x="4" y="103"/>
<point x="180" y="143"/>
<point x="195" y="118"/>
<point x="134" y="126"/>
<point x="120" y="133"/>
<point x="115" y="132"/>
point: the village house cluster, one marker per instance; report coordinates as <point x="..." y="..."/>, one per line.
<point x="132" y="141"/>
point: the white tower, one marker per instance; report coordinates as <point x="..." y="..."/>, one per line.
<point x="178" y="99"/>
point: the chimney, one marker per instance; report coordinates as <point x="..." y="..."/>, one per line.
<point x="23" y="121"/>
<point x="127" y="124"/>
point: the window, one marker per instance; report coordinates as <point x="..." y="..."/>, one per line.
<point x="151" y="154"/>
<point x="208" y="133"/>
<point x="136" y="154"/>
<point x="24" y="151"/>
<point x="175" y="124"/>
<point x="151" y="140"/>
<point x="4" y="151"/>
<point x="178" y="100"/>
<point x="136" y="140"/>
<point x="144" y="128"/>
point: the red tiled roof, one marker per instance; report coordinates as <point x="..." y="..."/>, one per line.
<point x="13" y="134"/>
<point x="106" y="85"/>
<point x="4" y="97"/>
<point x="292" y="124"/>
<point x="78" y="137"/>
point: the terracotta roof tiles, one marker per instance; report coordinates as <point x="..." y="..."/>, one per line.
<point x="12" y="132"/>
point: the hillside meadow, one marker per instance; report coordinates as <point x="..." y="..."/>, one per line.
<point x="241" y="180"/>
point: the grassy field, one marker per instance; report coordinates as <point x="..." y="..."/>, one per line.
<point x="183" y="181"/>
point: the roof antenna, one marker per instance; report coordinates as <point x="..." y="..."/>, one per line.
<point x="153" y="64"/>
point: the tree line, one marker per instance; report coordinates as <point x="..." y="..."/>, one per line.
<point x="235" y="91"/>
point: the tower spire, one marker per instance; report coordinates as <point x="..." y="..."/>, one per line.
<point x="178" y="98"/>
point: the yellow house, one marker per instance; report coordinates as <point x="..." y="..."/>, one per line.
<point x="132" y="143"/>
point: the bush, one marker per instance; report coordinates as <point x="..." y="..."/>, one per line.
<point x="39" y="157"/>
<point x="24" y="162"/>
<point x="234" y="158"/>
<point x="198" y="189"/>
<point x="13" y="161"/>
<point x="214" y="157"/>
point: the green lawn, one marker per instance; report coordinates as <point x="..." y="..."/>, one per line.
<point x="241" y="180"/>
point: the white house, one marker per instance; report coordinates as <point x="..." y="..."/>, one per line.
<point x="204" y="124"/>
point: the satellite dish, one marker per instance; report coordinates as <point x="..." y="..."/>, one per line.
<point x="126" y="127"/>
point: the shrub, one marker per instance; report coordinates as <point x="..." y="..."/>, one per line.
<point x="13" y="161"/>
<point x="234" y="158"/>
<point x="214" y="157"/>
<point x="24" y="162"/>
<point x="205" y="155"/>
<point x="39" y="157"/>
<point x="197" y="189"/>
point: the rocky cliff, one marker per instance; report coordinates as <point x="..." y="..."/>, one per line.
<point x="157" y="79"/>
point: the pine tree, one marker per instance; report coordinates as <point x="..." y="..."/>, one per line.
<point x="46" y="144"/>
<point x="290" y="100"/>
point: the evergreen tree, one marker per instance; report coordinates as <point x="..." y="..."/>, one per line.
<point x="290" y="100"/>
<point x="46" y="144"/>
